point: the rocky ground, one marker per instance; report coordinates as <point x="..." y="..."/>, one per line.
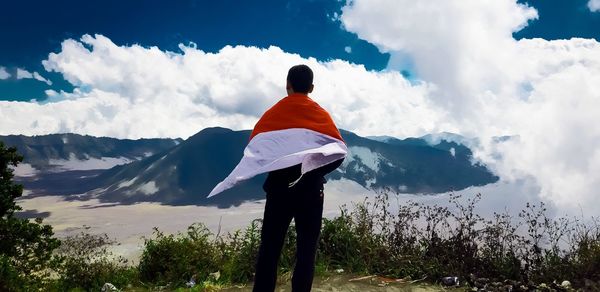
<point x="349" y="283"/>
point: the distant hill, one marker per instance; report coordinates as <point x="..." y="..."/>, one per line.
<point x="443" y="141"/>
<point x="412" y="165"/>
<point x="185" y="173"/>
<point x="58" y="152"/>
<point x="60" y="164"/>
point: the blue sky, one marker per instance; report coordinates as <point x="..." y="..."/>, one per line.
<point x="30" y="30"/>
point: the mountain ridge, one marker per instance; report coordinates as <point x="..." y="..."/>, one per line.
<point x="185" y="172"/>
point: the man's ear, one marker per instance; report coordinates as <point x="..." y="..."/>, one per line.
<point x="312" y="86"/>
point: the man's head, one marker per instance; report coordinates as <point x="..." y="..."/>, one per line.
<point x="300" y="80"/>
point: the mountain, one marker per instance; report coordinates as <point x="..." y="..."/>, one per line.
<point x="411" y="165"/>
<point x="60" y="152"/>
<point x="185" y="173"/>
<point x="59" y="164"/>
<point x="383" y="138"/>
<point x="454" y="143"/>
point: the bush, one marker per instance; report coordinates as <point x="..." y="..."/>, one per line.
<point x="10" y="280"/>
<point x="341" y="246"/>
<point x="87" y="264"/>
<point x="237" y="253"/>
<point x="435" y="241"/>
<point x="175" y="259"/>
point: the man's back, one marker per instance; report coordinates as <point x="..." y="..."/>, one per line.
<point x="295" y="192"/>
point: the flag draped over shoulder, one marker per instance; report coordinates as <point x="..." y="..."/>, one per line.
<point x="296" y="130"/>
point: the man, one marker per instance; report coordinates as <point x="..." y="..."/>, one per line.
<point x="290" y="197"/>
<point x="297" y="143"/>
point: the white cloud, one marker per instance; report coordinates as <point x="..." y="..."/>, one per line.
<point x="450" y="41"/>
<point x="544" y="93"/>
<point x="133" y="92"/>
<point x="3" y="73"/>
<point x="39" y="77"/>
<point x="594" y="5"/>
<point x="348" y="49"/>
<point x="24" y="74"/>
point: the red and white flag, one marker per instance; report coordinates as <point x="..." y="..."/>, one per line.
<point x="296" y="130"/>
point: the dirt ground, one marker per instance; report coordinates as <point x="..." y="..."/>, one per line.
<point x="339" y="283"/>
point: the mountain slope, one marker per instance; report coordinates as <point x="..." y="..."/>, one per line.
<point x="411" y="165"/>
<point x="60" y="164"/>
<point x="186" y="173"/>
<point x="58" y="152"/>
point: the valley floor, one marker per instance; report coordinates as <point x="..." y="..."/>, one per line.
<point x="128" y="224"/>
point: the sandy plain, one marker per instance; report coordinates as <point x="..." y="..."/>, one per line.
<point x="129" y="224"/>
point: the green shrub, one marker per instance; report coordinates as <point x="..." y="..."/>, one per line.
<point x="87" y="264"/>
<point x="340" y="246"/>
<point x="237" y="253"/>
<point x="10" y="279"/>
<point x="586" y="255"/>
<point x="435" y="241"/>
<point x="175" y="259"/>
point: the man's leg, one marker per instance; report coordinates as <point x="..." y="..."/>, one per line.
<point x="276" y="221"/>
<point x="308" y="227"/>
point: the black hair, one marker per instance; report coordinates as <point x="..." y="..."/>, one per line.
<point x="300" y="78"/>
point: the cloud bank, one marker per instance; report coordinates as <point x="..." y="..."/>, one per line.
<point x="133" y="92"/>
<point x="545" y="94"/>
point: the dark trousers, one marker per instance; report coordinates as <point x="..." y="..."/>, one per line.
<point x="304" y="203"/>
